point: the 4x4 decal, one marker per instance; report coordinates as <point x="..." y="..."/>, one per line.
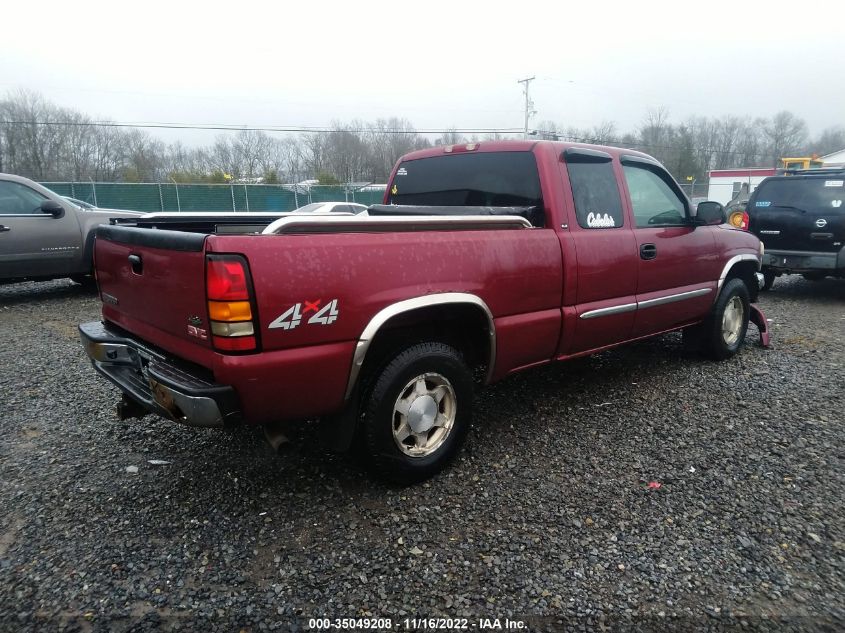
<point x="293" y="316"/>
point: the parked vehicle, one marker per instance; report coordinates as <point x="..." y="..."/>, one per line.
<point x="485" y="260"/>
<point x="45" y="236"/>
<point x="80" y="203"/>
<point x="801" y="220"/>
<point x="737" y="214"/>
<point x="331" y="207"/>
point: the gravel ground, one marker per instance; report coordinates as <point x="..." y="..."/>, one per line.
<point x="547" y="517"/>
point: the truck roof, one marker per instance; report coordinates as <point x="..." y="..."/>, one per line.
<point x="521" y="146"/>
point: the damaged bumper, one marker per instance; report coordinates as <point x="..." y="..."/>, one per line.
<point x="759" y="319"/>
<point x="152" y="383"/>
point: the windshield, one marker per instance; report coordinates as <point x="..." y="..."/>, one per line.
<point x="817" y="194"/>
<point x="495" y="179"/>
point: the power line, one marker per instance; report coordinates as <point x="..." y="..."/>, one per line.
<point x="265" y="128"/>
<point x="324" y="129"/>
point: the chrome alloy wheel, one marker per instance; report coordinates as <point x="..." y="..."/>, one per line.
<point x="424" y="414"/>
<point x="732" y="321"/>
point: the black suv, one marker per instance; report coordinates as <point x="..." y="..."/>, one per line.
<point x="800" y="218"/>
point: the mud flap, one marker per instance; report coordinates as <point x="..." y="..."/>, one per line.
<point x="338" y="430"/>
<point x="759" y="319"/>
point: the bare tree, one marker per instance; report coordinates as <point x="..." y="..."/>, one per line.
<point x="831" y="140"/>
<point x="785" y="134"/>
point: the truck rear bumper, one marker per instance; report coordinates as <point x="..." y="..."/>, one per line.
<point x="156" y="383"/>
<point x="799" y="261"/>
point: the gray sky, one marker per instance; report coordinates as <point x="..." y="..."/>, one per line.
<point x="438" y="64"/>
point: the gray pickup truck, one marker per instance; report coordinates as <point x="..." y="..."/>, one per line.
<point x="46" y="236"/>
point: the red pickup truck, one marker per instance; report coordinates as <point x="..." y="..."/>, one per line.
<point x="486" y="258"/>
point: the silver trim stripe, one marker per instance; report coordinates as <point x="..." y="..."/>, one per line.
<point x="592" y="314"/>
<point x="650" y="303"/>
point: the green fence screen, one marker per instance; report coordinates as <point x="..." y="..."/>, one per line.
<point x="152" y="197"/>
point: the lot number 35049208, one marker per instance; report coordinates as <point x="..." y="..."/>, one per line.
<point x="293" y="316"/>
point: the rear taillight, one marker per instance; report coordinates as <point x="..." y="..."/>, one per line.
<point x="231" y="312"/>
<point x="739" y="220"/>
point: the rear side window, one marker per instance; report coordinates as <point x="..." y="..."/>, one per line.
<point x="824" y="194"/>
<point x="598" y="204"/>
<point x="491" y="179"/>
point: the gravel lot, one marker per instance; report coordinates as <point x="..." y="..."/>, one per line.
<point x="547" y="516"/>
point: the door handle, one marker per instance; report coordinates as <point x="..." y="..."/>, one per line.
<point x="137" y="264"/>
<point x="5" y="229"/>
<point x="648" y="251"/>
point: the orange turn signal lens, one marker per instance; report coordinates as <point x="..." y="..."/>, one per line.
<point x="229" y="311"/>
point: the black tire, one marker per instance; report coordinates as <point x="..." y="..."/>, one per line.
<point x="768" y="280"/>
<point x="717" y="344"/>
<point x="433" y="363"/>
<point x="86" y="281"/>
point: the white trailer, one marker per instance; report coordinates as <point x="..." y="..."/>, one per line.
<point x="728" y="184"/>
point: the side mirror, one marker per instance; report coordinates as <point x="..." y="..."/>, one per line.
<point x="53" y="208"/>
<point x="709" y="213"/>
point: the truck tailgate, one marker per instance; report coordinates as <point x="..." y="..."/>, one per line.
<point x="153" y="280"/>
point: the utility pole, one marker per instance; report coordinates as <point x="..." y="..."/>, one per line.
<point x="528" y="103"/>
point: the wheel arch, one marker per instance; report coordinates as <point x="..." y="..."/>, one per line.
<point x="743" y="267"/>
<point x="465" y="308"/>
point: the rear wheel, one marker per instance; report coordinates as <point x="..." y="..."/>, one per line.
<point x="725" y="329"/>
<point x="417" y="413"/>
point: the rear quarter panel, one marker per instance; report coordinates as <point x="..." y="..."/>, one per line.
<point x="516" y="272"/>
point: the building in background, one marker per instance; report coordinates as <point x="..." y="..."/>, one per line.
<point x="730" y="184"/>
<point x="836" y="159"/>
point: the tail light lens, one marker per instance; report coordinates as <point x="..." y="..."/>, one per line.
<point x="739" y="220"/>
<point x="231" y="313"/>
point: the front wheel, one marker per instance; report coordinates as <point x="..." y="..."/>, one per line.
<point x="418" y="412"/>
<point x="725" y="329"/>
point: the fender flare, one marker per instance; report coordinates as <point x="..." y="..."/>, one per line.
<point x="730" y="264"/>
<point x="408" y="305"/>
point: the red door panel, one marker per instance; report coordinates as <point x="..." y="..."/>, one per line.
<point x="684" y="262"/>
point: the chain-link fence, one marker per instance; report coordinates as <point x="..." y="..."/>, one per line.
<point x="152" y="197"/>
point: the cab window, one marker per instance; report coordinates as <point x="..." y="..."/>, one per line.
<point x="18" y="199"/>
<point x="652" y="199"/>
<point x="598" y="204"/>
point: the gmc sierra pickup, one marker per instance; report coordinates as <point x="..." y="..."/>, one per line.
<point x="484" y="260"/>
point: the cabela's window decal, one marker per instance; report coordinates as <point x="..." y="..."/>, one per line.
<point x="600" y="220"/>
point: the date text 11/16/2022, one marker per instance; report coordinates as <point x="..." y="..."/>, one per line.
<point x="417" y="624"/>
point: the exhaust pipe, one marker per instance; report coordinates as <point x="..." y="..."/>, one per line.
<point x="274" y="436"/>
